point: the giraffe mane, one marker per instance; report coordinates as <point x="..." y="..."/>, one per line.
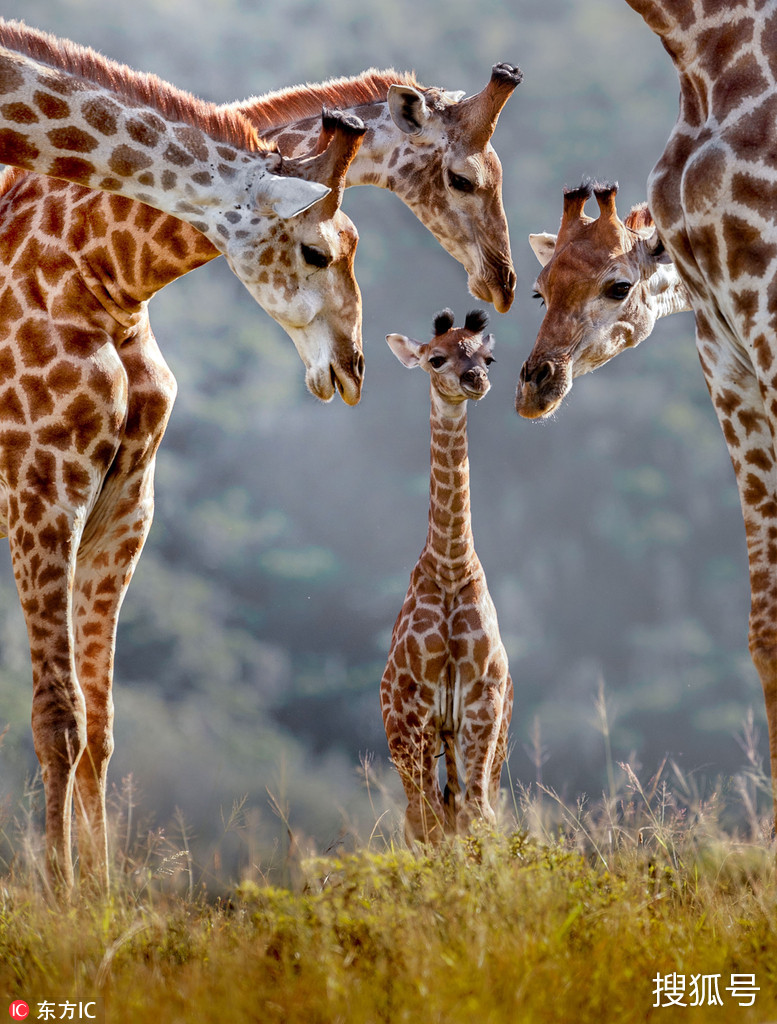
<point x="297" y="102"/>
<point x="223" y="124"/>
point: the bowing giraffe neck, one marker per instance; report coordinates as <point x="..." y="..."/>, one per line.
<point x="68" y="115"/>
<point x="449" y="554"/>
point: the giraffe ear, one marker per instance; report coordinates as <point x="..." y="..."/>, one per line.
<point x="286" y="197"/>
<point x="487" y="345"/>
<point x="405" y="349"/>
<point x="543" y="246"/>
<point x="408" y="109"/>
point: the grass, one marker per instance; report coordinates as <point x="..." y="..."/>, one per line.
<point x="564" y="914"/>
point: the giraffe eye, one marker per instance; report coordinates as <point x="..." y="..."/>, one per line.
<point x="489" y="360"/>
<point x="460" y="183"/>
<point x="437" y="361"/>
<point x="619" y="290"/>
<point x="315" y="257"/>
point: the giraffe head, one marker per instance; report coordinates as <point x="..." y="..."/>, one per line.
<point x="456" y="359"/>
<point x="459" y="197"/>
<point x="304" y="267"/>
<point x="604" y="282"/>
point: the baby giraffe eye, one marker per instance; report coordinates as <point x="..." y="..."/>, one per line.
<point x="619" y="290"/>
<point x="315" y="257"/>
<point x="437" y="361"/>
<point x="489" y="360"/>
<point x="460" y="183"/>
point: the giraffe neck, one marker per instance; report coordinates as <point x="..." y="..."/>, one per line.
<point x="699" y="34"/>
<point x="59" y="123"/>
<point x="449" y="554"/>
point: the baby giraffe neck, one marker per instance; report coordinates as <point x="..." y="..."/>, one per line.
<point x="449" y="555"/>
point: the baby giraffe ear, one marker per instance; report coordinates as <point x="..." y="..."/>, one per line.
<point x="405" y="349"/>
<point x="544" y="246"/>
<point x="487" y="345"/>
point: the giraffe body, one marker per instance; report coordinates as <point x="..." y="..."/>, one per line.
<point x="711" y="195"/>
<point x="446" y="688"/>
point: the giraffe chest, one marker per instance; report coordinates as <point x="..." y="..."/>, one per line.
<point x="442" y="646"/>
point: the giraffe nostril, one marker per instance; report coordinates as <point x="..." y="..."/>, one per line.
<point x="545" y="371"/>
<point x="358" y="366"/>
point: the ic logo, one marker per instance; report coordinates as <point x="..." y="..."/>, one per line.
<point x="18" y="1009"/>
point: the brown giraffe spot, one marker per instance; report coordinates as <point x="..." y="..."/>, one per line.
<point x="83" y="420"/>
<point x="102" y="115"/>
<point x="18" y="112"/>
<point x="169" y="178"/>
<point x="51" y="106"/>
<point x="142" y="133"/>
<point x="16" y="149"/>
<point x="34" y="509"/>
<point x="73" y="168"/>
<point x="754" y="491"/>
<point x="727" y="401"/>
<point x="763" y="352"/>
<point x="14" y="445"/>
<point x="63" y="377"/>
<point x="746" y="248"/>
<point x="109" y="184"/>
<point x="226" y="172"/>
<point x="11" y="406"/>
<point x="201" y="178"/>
<point x="38" y="396"/>
<point x="11" y="78"/>
<point x="146" y="178"/>
<point x="103" y="454"/>
<point x="72" y="138"/>
<point x="126" y="161"/>
<point x="226" y="153"/>
<point x="10" y="310"/>
<point x="7" y="364"/>
<point x="34" y="345"/>
<point x="760" y="459"/>
<point x="175" y="155"/>
<point x="192" y="139"/>
<point x="748" y="142"/>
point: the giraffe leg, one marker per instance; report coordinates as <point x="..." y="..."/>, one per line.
<point x="107" y="560"/>
<point x="43" y="565"/>
<point x="414" y="742"/>
<point x="486" y="699"/>
<point x="749" y="425"/>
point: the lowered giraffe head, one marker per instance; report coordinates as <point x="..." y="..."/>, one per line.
<point x="459" y="197"/>
<point x="306" y="268"/>
<point x="428" y="145"/>
<point x="604" y="282"/>
<point x="456" y="359"/>
<point x="70" y="113"/>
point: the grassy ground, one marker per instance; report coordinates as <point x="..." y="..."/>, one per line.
<point x="565" y="914"/>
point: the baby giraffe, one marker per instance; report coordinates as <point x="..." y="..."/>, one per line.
<point x="446" y="688"/>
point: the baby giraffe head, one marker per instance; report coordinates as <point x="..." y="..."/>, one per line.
<point x="456" y="359"/>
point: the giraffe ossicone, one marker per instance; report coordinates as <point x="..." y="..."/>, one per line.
<point x="446" y="689"/>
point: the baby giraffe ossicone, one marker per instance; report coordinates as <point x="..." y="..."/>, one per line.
<point x="446" y="688"/>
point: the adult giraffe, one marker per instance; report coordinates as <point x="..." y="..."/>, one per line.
<point x="84" y="392"/>
<point x="713" y="196"/>
<point x="422" y="143"/>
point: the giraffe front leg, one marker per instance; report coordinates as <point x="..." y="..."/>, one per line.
<point x="42" y="554"/>
<point x="414" y="742"/>
<point x="749" y="426"/>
